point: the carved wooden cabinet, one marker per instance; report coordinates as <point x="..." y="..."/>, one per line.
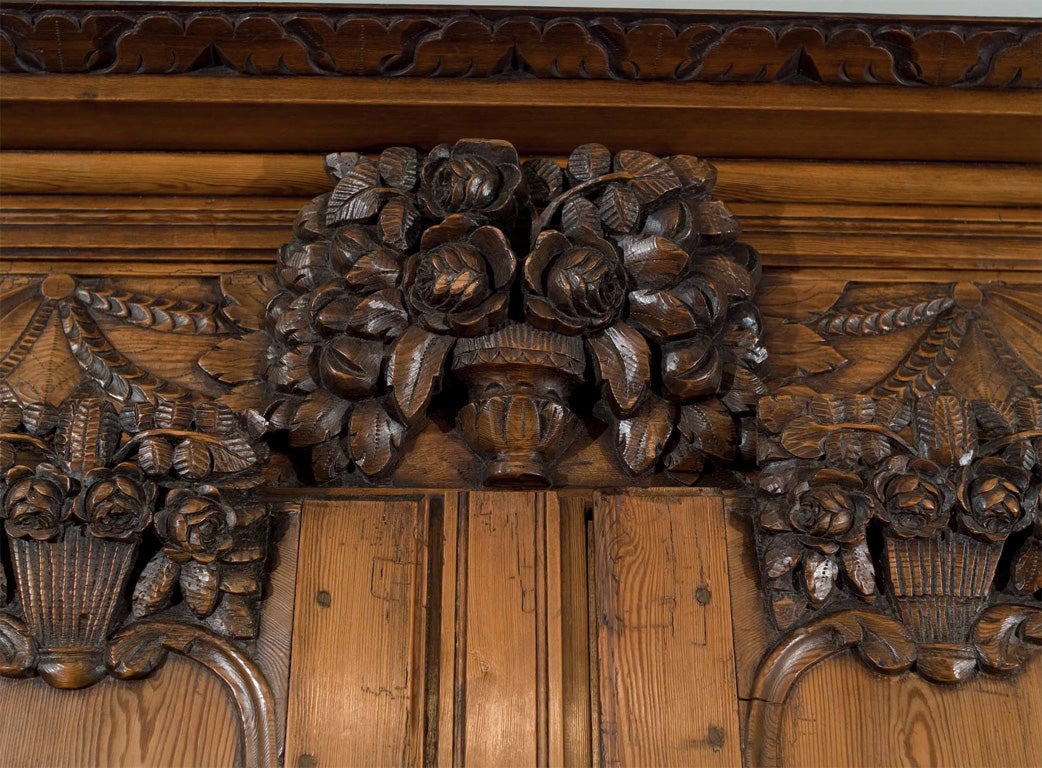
<point x="387" y="387"/>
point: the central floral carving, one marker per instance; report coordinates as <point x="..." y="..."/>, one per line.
<point x="628" y="255"/>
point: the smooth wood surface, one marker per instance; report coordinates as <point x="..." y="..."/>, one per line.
<point x="260" y="174"/>
<point x="113" y="112"/>
<point x="180" y="716"/>
<point x="356" y="681"/>
<point x="667" y="684"/>
<point x="842" y="713"/>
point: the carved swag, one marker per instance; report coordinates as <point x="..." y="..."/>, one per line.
<point x="615" y="286"/>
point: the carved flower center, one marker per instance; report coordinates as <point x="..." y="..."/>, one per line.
<point x="452" y="277"/>
<point x="823" y="511"/>
<point x="585" y="282"/>
<point x="466" y="182"/>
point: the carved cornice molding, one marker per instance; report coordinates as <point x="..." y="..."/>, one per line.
<point x="614" y="287"/>
<point x="99" y="38"/>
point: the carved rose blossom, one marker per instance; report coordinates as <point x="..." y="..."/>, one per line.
<point x="460" y="280"/>
<point x="36" y="502"/>
<point x="195" y="525"/>
<point x="479" y="178"/>
<point x="915" y="497"/>
<point x="997" y="499"/>
<point x="574" y="286"/>
<point x="116" y="503"/>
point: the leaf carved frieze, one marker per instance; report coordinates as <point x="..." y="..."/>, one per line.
<point x="612" y="290"/>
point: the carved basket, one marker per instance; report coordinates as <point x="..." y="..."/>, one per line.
<point x="70" y="593"/>
<point x="939" y="586"/>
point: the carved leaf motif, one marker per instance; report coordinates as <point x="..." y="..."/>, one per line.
<point x="339" y="163"/>
<point x="235" y="616"/>
<point x="152" y="591"/>
<point x="729" y="277"/>
<point x="354" y="197"/>
<point x="399" y="167"/>
<point x="944" y="430"/>
<point x="709" y="426"/>
<point x="880" y="317"/>
<point x="804" y="438"/>
<point x="414" y="370"/>
<point x="192" y="459"/>
<point x="216" y="419"/>
<point x="319" y="417"/>
<point x="579" y="214"/>
<point x="651" y="177"/>
<point x="654" y="262"/>
<point x="88" y="435"/>
<point x="661" y="313"/>
<point x="781" y="556"/>
<point x="399" y="224"/>
<point x="374" y="271"/>
<point x="157" y="314"/>
<point x="619" y="208"/>
<point x="375" y="438"/>
<point x="621" y="359"/>
<point x="858" y="566"/>
<point x="173" y="414"/>
<point x="199" y="586"/>
<point x="328" y="460"/>
<point x="589" y="161"/>
<point x="381" y="314"/>
<point x="155" y="456"/>
<point x="819" y="576"/>
<point x="640" y="439"/>
<point x="237" y="359"/>
<point x="1003" y="632"/>
<point x="246" y="293"/>
<point x="543" y="178"/>
<point x="696" y="175"/>
<point x="1026" y="573"/>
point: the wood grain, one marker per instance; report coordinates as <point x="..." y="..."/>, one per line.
<point x="844" y="714"/>
<point x="181" y="715"/>
<point x="143" y="112"/>
<point x="664" y="615"/>
<point x="357" y="672"/>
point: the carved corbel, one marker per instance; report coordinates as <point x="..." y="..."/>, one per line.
<point x="613" y="288"/>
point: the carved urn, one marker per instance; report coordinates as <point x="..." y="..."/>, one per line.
<point x="518" y="419"/>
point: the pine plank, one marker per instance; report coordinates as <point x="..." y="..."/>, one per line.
<point x="667" y="680"/>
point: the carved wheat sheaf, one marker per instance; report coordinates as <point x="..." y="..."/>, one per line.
<point x="519" y="282"/>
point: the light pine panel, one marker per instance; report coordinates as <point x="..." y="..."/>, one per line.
<point x="667" y="679"/>
<point x="179" y="716"/>
<point x="356" y="678"/>
<point x="842" y="713"/>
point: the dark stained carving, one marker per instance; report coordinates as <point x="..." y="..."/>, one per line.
<point x="497" y="44"/>
<point x="617" y="280"/>
<point x="907" y="505"/>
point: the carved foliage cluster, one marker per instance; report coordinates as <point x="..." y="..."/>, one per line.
<point x="679" y="48"/>
<point x="86" y="485"/>
<point x="618" y="270"/>
<point x="927" y="508"/>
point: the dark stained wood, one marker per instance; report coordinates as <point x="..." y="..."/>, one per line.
<point x="115" y="112"/>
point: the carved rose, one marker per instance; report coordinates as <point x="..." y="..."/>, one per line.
<point x="116" y="503"/>
<point x="574" y="286"/>
<point x="195" y="525"/>
<point x="829" y="505"/>
<point x="915" y="495"/>
<point x="36" y="502"/>
<point x="460" y="280"/>
<point x="479" y="178"/>
<point x="996" y="499"/>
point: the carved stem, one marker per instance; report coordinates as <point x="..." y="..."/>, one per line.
<point x="138" y="649"/>
<point x="13" y="437"/>
<point x="997" y="445"/>
<point x="881" y="640"/>
<point x="548" y="213"/>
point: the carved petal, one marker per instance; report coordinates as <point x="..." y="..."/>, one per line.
<point x="621" y="360"/>
<point x="375" y="438"/>
<point x="414" y="370"/>
<point x="640" y="439"/>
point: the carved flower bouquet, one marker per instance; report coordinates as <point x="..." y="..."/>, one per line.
<point x="528" y="283"/>
<point x="86" y="488"/>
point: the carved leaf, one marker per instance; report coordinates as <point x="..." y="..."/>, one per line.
<point x="246" y="294"/>
<point x="153" y="590"/>
<point x="414" y="370"/>
<point x="641" y="439"/>
<point x="781" y="556"/>
<point x="654" y="262"/>
<point x="709" y="426"/>
<point x="88" y="434"/>
<point x="353" y="197"/>
<point x="858" y="566"/>
<point x="339" y="163"/>
<point x="1003" y="632"/>
<point x="232" y="455"/>
<point x="199" y="583"/>
<point x="579" y="214"/>
<point x="619" y="208"/>
<point x="192" y="459"/>
<point x="651" y="177"/>
<point x="696" y="175"/>
<point x="216" y="419"/>
<point x="661" y="313"/>
<point x="155" y="456"/>
<point x="157" y="314"/>
<point x="378" y="315"/>
<point x="880" y="317"/>
<point x="375" y="438"/>
<point x="543" y="178"/>
<point x="399" y="224"/>
<point x="328" y="460"/>
<point x="804" y="438"/>
<point x="926" y="365"/>
<point x="319" y="417"/>
<point x="235" y="616"/>
<point x="819" y="576"/>
<point x="399" y="167"/>
<point x="1026" y="573"/>
<point x="376" y="270"/>
<point x="589" y="161"/>
<point x="729" y="277"/>
<point x="621" y="359"/>
<point x="944" y="430"/>
<point x="174" y="414"/>
<point x="237" y="359"/>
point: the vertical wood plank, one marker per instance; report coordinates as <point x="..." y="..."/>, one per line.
<point x="357" y="674"/>
<point x="667" y="679"/>
<point x="577" y="720"/>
